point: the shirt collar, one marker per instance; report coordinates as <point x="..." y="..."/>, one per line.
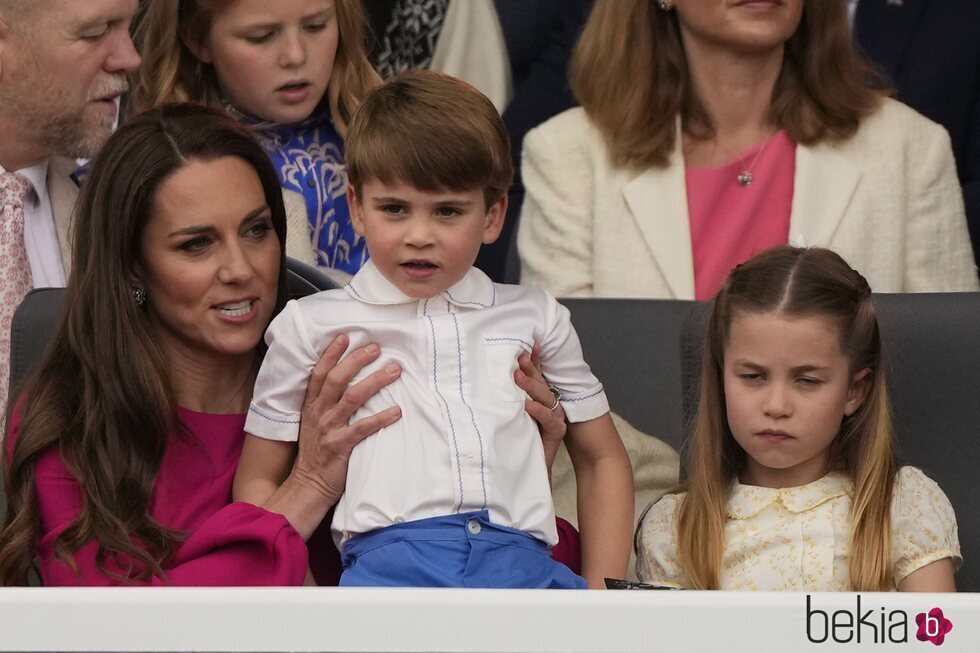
<point x="474" y="290"/>
<point x="746" y="501"/>
<point x="37" y="174"/>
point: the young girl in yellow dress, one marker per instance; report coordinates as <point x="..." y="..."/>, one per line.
<point x="792" y="480"/>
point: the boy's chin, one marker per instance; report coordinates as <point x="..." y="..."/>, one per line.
<point x="424" y="288"/>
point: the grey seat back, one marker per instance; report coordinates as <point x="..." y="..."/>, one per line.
<point x="634" y="348"/>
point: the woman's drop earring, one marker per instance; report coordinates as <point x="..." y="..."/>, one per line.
<point x="139" y="294"/>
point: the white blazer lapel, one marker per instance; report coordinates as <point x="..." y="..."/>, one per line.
<point x="657" y="198"/>
<point x="823" y="186"/>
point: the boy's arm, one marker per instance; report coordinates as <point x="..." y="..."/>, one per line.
<point x="263" y="467"/>
<point x="605" y="498"/>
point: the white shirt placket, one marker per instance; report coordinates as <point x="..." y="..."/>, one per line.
<point x="447" y="377"/>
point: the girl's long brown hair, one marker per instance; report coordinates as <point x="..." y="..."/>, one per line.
<point x="102" y="395"/>
<point x="629" y="71"/>
<point x="171" y="73"/>
<point x="796" y="282"/>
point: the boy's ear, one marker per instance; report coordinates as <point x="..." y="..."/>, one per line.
<point x="495" y="220"/>
<point x="858" y="392"/>
<point x="199" y="48"/>
<point x="356" y="211"/>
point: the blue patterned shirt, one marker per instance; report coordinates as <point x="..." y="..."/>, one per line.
<point x="309" y="159"/>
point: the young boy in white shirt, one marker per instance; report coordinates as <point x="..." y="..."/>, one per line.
<point x="456" y="492"/>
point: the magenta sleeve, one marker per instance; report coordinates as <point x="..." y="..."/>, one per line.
<point x="568" y="551"/>
<point x="240" y="544"/>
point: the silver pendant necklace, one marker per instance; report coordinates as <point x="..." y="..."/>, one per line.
<point x="745" y="177"/>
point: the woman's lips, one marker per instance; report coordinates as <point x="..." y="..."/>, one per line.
<point x="238" y="311"/>
<point x="760" y="4"/>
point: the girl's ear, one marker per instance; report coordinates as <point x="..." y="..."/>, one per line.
<point x="198" y="47"/>
<point x="858" y="391"/>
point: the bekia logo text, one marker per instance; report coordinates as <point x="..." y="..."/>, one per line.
<point x="876" y="626"/>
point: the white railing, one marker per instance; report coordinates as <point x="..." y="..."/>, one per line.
<point x="332" y="619"/>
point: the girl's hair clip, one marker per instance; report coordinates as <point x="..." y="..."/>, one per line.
<point x="799" y="241"/>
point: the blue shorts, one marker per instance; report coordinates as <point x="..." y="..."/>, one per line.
<point x="464" y="550"/>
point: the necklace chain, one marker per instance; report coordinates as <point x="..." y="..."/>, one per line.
<point x="238" y="392"/>
<point x="744" y="178"/>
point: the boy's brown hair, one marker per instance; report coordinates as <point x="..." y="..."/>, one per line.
<point x="432" y="131"/>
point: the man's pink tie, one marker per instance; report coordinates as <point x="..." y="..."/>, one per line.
<point x="15" y="271"/>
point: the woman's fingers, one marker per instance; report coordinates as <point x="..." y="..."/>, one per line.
<point x="542" y="405"/>
<point x="370" y="425"/>
<point x="331" y="375"/>
<point x="530" y="380"/>
<point x="552" y="421"/>
<point x="356" y="395"/>
<point x="536" y="360"/>
<point x="327" y="362"/>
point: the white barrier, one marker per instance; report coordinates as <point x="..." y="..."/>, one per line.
<point x="331" y="619"/>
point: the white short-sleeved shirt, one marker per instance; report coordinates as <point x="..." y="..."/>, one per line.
<point x="796" y="539"/>
<point x="464" y="441"/>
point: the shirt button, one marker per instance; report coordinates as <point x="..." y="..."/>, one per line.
<point x="311" y="182"/>
<point x="473" y="526"/>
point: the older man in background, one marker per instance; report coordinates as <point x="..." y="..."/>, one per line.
<point x="63" y="66"/>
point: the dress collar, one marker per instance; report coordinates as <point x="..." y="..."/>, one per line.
<point x="474" y="290"/>
<point x="746" y="501"/>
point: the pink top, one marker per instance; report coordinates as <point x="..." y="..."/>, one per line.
<point x="227" y="543"/>
<point x="730" y="223"/>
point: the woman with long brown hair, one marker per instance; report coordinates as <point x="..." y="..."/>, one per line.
<point x="123" y="445"/>
<point x="712" y="129"/>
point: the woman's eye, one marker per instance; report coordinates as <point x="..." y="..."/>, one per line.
<point x="259" y="230"/>
<point x="315" y="27"/>
<point x="195" y="244"/>
<point x="259" y="38"/>
<point x="809" y="380"/>
<point x="750" y="376"/>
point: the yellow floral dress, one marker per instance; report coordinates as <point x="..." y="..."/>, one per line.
<point x="795" y="539"/>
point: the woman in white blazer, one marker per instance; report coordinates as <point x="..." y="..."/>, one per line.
<point x="673" y="91"/>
